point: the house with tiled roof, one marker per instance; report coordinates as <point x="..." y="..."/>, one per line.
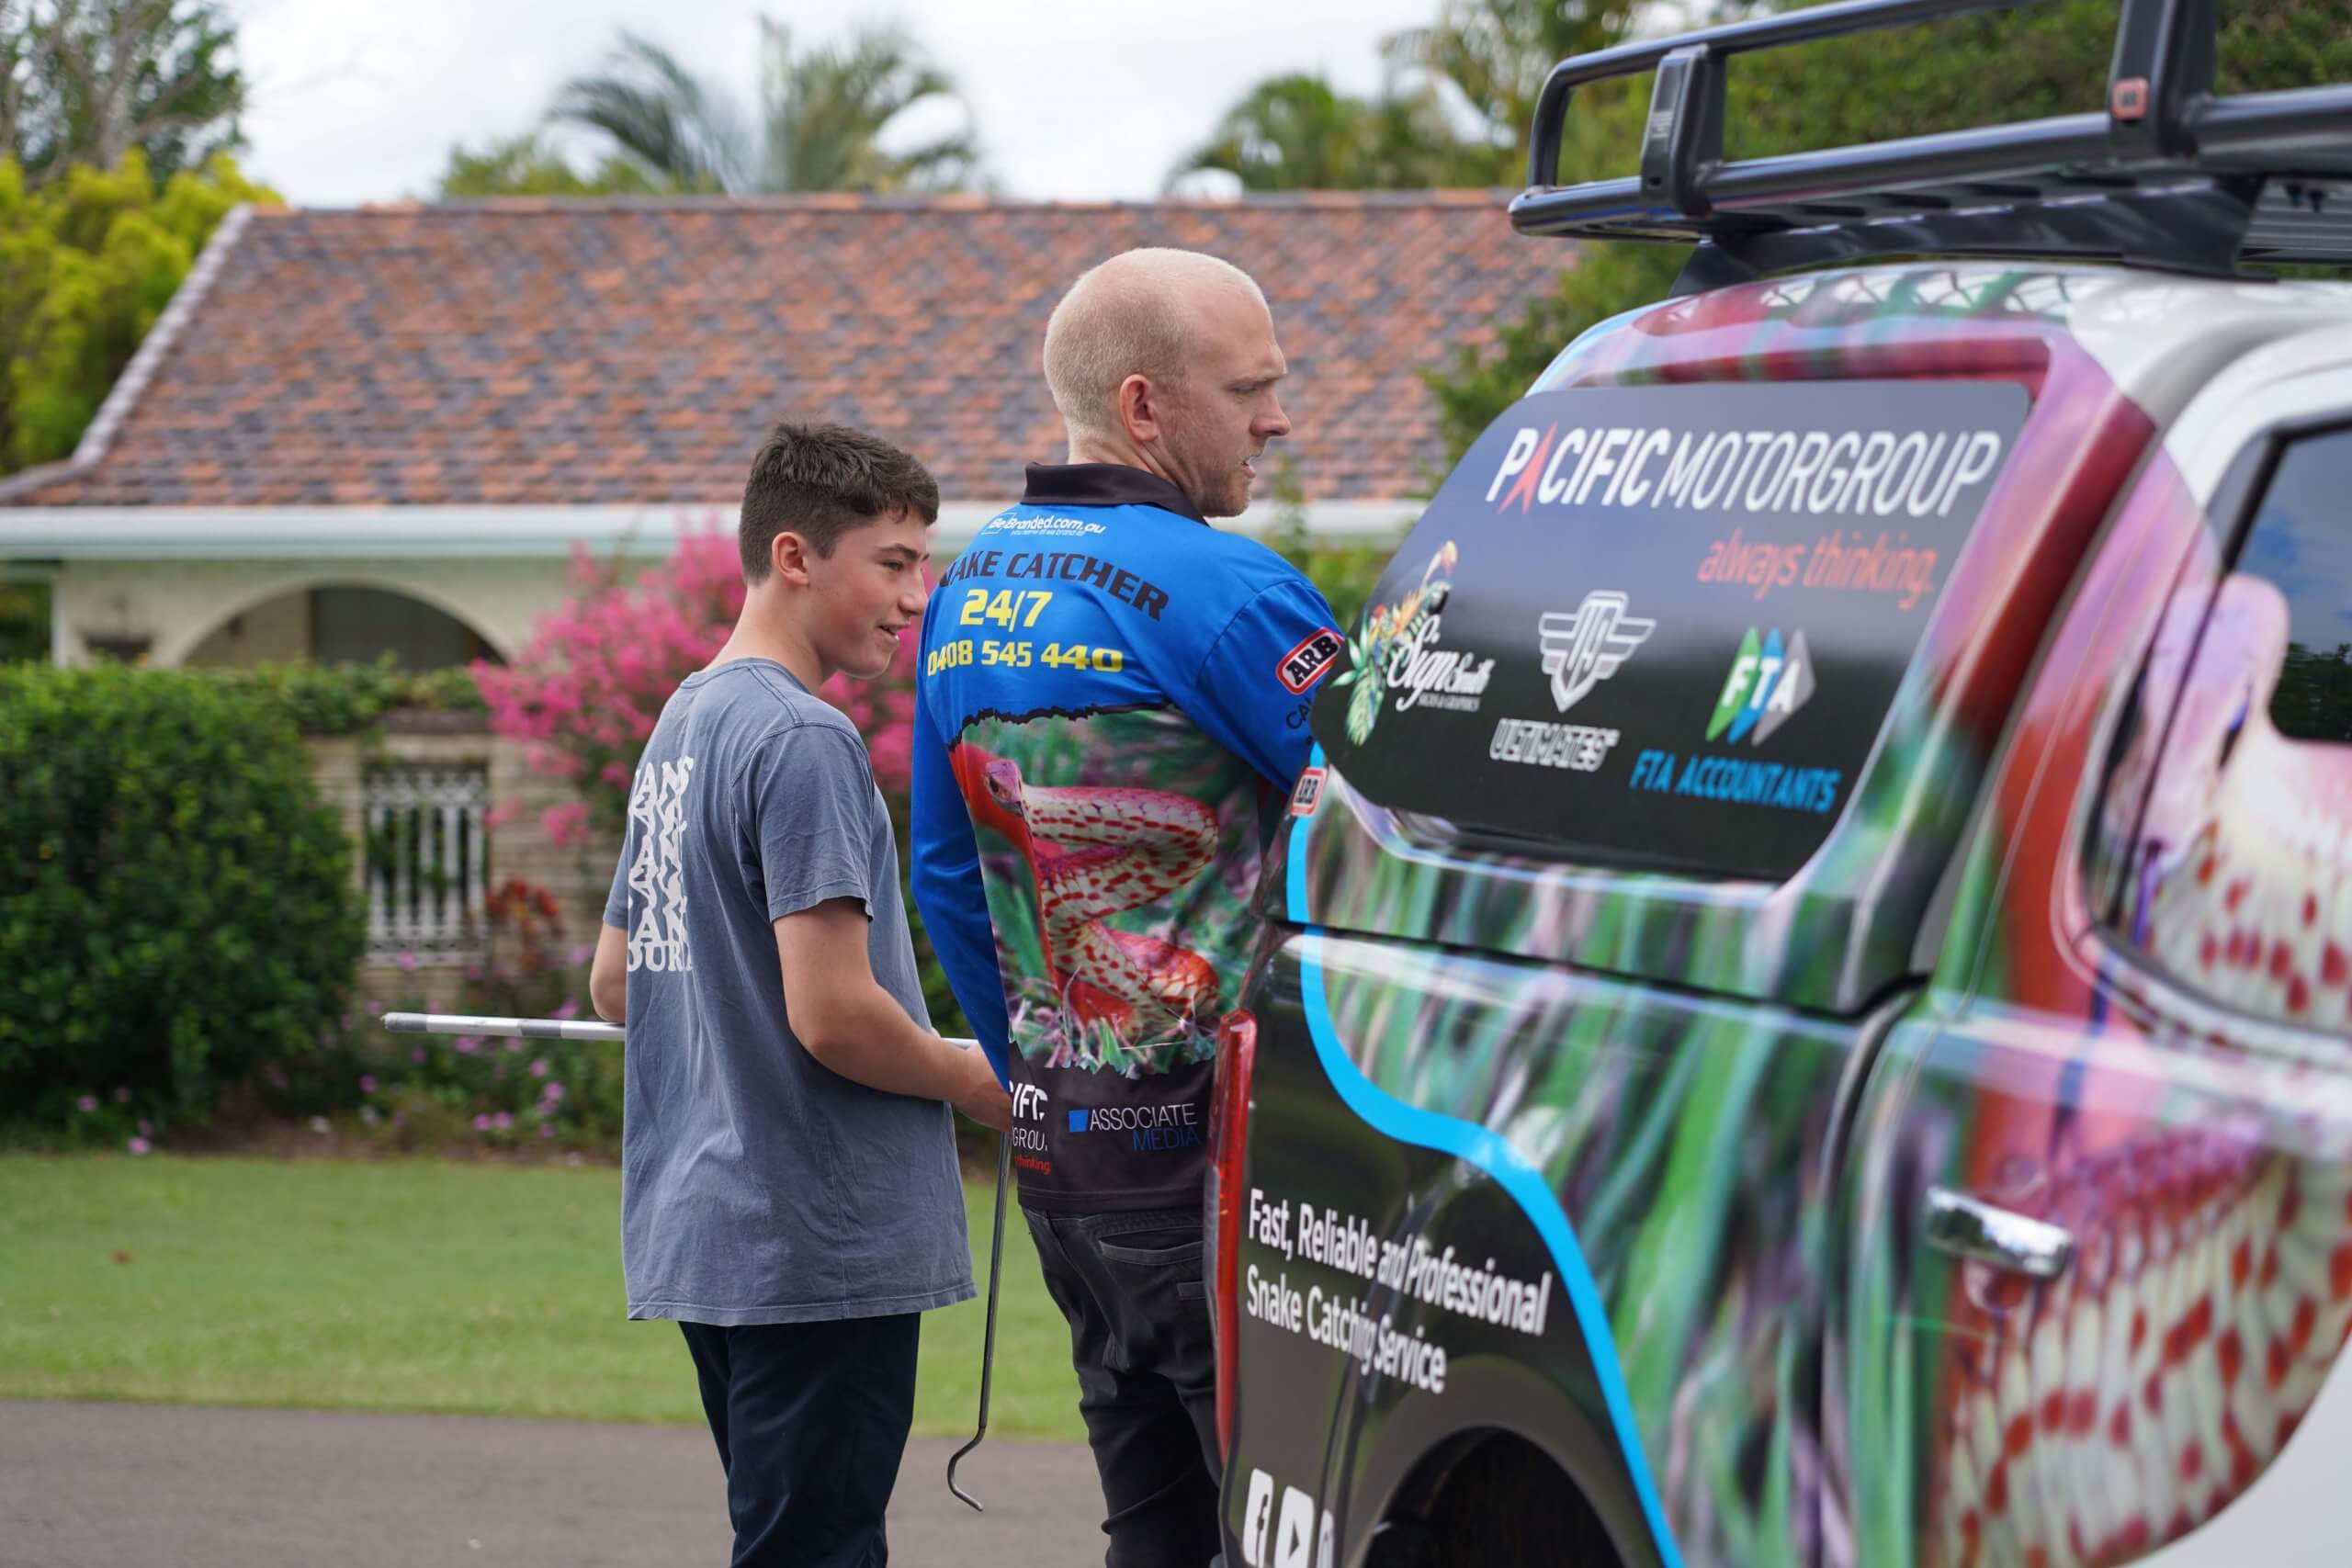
<point x="385" y="428"/>
<point x="355" y="431"/>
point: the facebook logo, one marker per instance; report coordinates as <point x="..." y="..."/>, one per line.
<point x="1078" y="1120"/>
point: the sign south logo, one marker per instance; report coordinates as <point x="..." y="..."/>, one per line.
<point x="1767" y="685"/>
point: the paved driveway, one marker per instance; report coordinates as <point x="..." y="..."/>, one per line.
<point x="110" y="1485"/>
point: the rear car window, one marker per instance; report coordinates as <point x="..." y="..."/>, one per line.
<point x="2222" y="806"/>
<point x="1663" y="625"/>
<point x="2300" y="544"/>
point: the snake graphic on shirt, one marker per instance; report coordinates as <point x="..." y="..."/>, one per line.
<point x="1099" y="846"/>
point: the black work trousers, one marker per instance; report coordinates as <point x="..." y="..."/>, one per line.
<point x="1130" y="1285"/>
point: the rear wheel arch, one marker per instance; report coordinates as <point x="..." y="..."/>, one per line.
<point x="1490" y="1497"/>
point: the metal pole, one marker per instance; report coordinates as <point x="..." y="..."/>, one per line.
<point x="503" y="1028"/>
<point x="987" y="1334"/>
<point x="610" y="1034"/>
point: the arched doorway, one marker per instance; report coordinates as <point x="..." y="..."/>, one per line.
<point x="342" y="623"/>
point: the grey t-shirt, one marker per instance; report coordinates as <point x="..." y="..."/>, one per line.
<point x="758" y="1185"/>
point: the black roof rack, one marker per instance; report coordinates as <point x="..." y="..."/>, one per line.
<point x="2168" y="176"/>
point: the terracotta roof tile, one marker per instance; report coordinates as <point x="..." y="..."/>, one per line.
<point x="548" y="353"/>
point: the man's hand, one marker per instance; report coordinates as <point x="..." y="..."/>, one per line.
<point x="985" y="1100"/>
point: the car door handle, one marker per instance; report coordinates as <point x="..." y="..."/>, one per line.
<point x="1997" y="1238"/>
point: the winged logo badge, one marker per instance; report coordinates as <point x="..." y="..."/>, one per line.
<point x="1583" y="647"/>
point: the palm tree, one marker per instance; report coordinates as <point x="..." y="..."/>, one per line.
<point x="1495" y="53"/>
<point x="819" y="125"/>
<point x="825" y="112"/>
<point x="1297" y="132"/>
<point x="1288" y="133"/>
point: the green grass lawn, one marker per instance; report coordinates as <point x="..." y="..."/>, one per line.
<point x="408" y="1285"/>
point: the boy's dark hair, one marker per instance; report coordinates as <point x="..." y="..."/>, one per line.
<point x="821" y="480"/>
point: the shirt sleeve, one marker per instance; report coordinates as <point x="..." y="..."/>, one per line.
<point x="944" y="868"/>
<point x="617" y="901"/>
<point x="1257" y="681"/>
<point x="809" y="797"/>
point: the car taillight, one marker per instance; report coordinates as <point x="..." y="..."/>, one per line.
<point x="1236" y="1060"/>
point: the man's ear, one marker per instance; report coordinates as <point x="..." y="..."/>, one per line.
<point x="788" y="558"/>
<point x="1139" y="409"/>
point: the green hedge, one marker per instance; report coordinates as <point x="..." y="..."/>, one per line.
<point x="176" y="905"/>
<point x="347" y="699"/>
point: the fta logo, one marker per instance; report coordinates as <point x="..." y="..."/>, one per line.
<point x="1583" y="647"/>
<point x="1767" y="685"/>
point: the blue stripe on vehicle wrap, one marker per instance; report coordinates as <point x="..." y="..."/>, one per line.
<point x="1493" y="1153"/>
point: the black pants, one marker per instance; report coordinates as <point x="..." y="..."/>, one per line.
<point x="1138" y="1311"/>
<point x="812" y="1421"/>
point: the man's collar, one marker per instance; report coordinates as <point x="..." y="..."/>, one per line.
<point x="1104" y="484"/>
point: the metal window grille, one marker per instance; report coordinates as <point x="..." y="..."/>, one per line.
<point x="428" y="860"/>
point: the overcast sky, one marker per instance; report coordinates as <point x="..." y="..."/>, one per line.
<point x="360" y="100"/>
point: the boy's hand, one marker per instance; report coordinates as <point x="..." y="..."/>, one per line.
<point x="984" y="1100"/>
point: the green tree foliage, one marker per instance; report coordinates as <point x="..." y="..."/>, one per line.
<point x="2044" y="60"/>
<point x="825" y="114"/>
<point x="1345" y="573"/>
<point x="91" y="80"/>
<point x="824" y="120"/>
<point x="349" y="699"/>
<point x="2048" y="59"/>
<point x="1297" y="132"/>
<point x="87" y="263"/>
<point x="1481" y="381"/>
<point x="1453" y="109"/>
<point x="25" y="612"/>
<point x="2313" y="698"/>
<point x="526" y="166"/>
<point x="176" y="903"/>
<point x="1494" y="54"/>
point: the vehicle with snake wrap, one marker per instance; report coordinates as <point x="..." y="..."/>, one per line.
<point x="1804" y="1012"/>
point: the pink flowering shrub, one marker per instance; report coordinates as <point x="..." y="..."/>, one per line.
<point x="586" y="693"/>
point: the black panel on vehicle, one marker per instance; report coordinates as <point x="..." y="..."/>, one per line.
<point x="1666" y="623"/>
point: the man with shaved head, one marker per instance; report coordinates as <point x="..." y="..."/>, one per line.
<point x="1165" y="361"/>
<point x="1112" y="710"/>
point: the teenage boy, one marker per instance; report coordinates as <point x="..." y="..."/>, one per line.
<point x="789" y="1190"/>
